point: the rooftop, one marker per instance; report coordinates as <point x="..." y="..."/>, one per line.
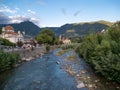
<point x="9" y="28"/>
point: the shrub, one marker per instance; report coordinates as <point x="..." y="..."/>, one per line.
<point x="8" y="60"/>
<point x="102" y="51"/>
<point x="47" y="47"/>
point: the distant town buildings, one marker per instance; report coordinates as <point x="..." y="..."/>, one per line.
<point x="9" y="34"/>
<point x="64" y="40"/>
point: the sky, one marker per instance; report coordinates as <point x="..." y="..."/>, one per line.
<point x="54" y="13"/>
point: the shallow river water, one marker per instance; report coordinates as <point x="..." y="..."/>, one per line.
<point x="49" y="72"/>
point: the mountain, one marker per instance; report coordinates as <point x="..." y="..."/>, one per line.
<point x="71" y="30"/>
<point x="100" y="21"/>
<point x="28" y="27"/>
<point x="79" y="29"/>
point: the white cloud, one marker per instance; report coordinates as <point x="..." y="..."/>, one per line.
<point x="35" y="20"/>
<point x="18" y="18"/>
<point x="17" y="8"/>
<point x="7" y="9"/>
<point x="14" y="18"/>
<point x="22" y="18"/>
<point x="32" y="12"/>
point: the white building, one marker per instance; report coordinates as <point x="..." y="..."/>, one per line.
<point x="9" y="34"/>
<point x="64" y="40"/>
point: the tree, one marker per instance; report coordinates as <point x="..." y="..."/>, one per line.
<point x="0" y="31"/>
<point x="46" y="36"/>
<point x="103" y="53"/>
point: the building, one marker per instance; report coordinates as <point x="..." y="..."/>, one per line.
<point x="64" y="40"/>
<point x="9" y="34"/>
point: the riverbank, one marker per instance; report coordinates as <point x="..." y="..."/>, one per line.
<point x="40" y="74"/>
<point x="13" y="57"/>
<point x="31" y="53"/>
<point x="84" y="75"/>
<point x="54" y="72"/>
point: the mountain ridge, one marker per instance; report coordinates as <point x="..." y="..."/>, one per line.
<point x="28" y="27"/>
<point x="73" y="29"/>
<point x="82" y="28"/>
<point x="99" y="21"/>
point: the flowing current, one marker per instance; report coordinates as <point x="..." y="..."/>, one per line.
<point x="45" y="73"/>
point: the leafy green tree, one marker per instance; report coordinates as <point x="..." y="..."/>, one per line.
<point x="46" y="36"/>
<point x="0" y="31"/>
<point x="47" y="32"/>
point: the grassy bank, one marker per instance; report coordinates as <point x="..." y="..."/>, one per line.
<point x="102" y="52"/>
<point x="60" y="53"/>
<point x="8" y="60"/>
<point x="71" y="57"/>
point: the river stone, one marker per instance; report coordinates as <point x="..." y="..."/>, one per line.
<point x="96" y="81"/>
<point x="90" y="85"/>
<point x="29" y="59"/>
<point x="58" y="62"/>
<point x="23" y="58"/>
<point x="77" y="75"/>
<point x="81" y="85"/>
<point x="83" y="71"/>
<point x="118" y="87"/>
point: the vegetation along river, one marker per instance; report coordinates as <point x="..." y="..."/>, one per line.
<point x="54" y="72"/>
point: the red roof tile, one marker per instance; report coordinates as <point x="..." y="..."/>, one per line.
<point x="9" y="28"/>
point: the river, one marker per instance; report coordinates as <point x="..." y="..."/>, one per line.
<point x="49" y="72"/>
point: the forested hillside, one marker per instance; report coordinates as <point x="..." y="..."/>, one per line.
<point x="79" y="29"/>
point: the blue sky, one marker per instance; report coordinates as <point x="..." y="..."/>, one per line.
<point x="58" y="12"/>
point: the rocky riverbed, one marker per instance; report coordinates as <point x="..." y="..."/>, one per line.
<point x="84" y="75"/>
<point x="53" y="72"/>
<point x="42" y="73"/>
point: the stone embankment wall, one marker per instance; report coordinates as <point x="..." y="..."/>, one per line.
<point x="31" y="53"/>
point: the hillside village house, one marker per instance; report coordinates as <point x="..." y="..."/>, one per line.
<point x="9" y="34"/>
<point x="64" y="40"/>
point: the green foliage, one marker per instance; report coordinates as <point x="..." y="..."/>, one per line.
<point x="47" y="47"/>
<point x="0" y="31"/>
<point x="60" y="53"/>
<point x="8" y="60"/>
<point x="102" y="51"/>
<point x="46" y="36"/>
<point x="47" y="32"/>
<point x="69" y="46"/>
<point x="56" y="41"/>
<point x="76" y="39"/>
<point x="71" y="57"/>
<point x="6" y="42"/>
